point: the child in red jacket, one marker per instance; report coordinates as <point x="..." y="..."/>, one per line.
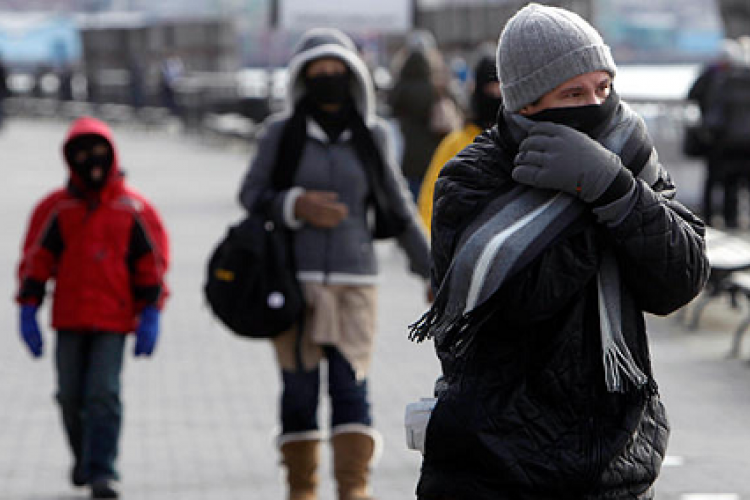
<point x="105" y="247"/>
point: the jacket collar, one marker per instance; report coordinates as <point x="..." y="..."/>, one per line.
<point x="315" y="131"/>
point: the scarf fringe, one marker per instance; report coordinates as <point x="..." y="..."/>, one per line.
<point x="617" y="359"/>
<point x="445" y="330"/>
<point x="453" y="333"/>
<point x="422" y="329"/>
<point x="619" y="362"/>
<point x="432" y="321"/>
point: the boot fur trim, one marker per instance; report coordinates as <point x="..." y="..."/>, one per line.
<point x="291" y="437"/>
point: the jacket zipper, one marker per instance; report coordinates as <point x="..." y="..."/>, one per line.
<point x="326" y="258"/>
<point x="328" y="232"/>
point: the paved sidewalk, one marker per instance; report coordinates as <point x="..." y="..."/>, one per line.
<point x="200" y="415"/>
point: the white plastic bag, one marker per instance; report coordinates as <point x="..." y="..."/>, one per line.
<point x="416" y="419"/>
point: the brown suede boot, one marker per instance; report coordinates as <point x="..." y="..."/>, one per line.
<point x="352" y="454"/>
<point x="301" y="461"/>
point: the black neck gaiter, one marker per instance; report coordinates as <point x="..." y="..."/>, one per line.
<point x="333" y="123"/>
<point x="587" y="119"/>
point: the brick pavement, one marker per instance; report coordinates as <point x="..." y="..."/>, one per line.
<point x="200" y="416"/>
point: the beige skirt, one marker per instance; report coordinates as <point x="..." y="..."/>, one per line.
<point x="342" y="316"/>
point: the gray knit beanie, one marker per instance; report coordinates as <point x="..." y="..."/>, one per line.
<point x="542" y="47"/>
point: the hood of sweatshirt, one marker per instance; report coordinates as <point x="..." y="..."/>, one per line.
<point x="326" y="42"/>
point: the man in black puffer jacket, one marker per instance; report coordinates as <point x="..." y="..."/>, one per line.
<point x="552" y="234"/>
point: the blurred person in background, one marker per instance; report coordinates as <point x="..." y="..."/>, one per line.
<point x="65" y="78"/>
<point x="343" y="168"/>
<point x="171" y="70"/>
<point x="484" y="102"/>
<point x="107" y="251"/>
<point x="94" y="86"/>
<point x="135" y="82"/>
<point x="40" y="88"/>
<point x="726" y="167"/>
<point x="552" y="234"/>
<point x="421" y="103"/>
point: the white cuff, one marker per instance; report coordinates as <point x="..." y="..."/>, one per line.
<point x="312" y="435"/>
<point x="289" y="201"/>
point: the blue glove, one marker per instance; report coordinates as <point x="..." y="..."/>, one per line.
<point x="147" y="332"/>
<point x="30" y="331"/>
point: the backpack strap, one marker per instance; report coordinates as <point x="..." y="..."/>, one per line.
<point x="290" y="148"/>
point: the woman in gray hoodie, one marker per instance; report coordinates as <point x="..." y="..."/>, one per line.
<point x="346" y="192"/>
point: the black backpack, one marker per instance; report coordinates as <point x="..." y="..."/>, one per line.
<point x="251" y="283"/>
<point x="251" y="279"/>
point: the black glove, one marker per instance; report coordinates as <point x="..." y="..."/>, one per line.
<point x="561" y="158"/>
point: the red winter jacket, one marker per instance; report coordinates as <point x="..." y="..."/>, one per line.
<point x="107" y="251"/>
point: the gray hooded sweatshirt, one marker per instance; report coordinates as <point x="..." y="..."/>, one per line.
<point x="344" y="254"/>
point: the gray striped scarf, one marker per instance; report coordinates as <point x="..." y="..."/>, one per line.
<point x="514" y="229"/>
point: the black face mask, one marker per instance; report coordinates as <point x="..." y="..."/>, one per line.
<point x="91" y="158"/>
<point x="328" y="89"/>
<point x="587" y="119"/>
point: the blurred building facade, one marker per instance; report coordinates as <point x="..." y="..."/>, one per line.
<point x="235" y="50"/>
<point x="639" y="31"/>
<point x="124" y="54"/>
<point x="462" y="25"/>
<point x="458" y="25"/>
<point x="204" y="44"/>
<point x="660" y="31"/>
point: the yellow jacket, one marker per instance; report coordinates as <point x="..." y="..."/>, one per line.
<point x="449" y="147"/>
